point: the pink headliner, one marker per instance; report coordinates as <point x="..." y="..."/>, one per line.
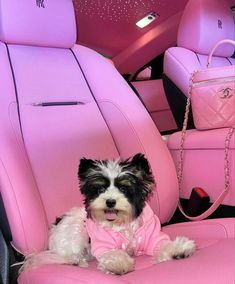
<point x="108" y="26"/>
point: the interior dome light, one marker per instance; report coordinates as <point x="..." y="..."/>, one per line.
<point x="148" y="19"/>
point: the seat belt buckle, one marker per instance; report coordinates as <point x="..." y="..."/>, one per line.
<point x="199" y="202"/>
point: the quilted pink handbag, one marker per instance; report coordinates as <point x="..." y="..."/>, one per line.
<point x="212" y="95"/>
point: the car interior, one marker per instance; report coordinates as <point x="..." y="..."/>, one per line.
<point x="80" y="79"/>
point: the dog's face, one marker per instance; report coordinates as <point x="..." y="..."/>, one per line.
<point x="115" y="191"/>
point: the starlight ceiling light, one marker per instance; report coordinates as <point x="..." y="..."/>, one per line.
<point x="147" y="20"/>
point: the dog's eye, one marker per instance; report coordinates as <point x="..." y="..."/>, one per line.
<point x="101" y="189"/>
<point x="123" y="189"/>
<point x="98" y="189"/>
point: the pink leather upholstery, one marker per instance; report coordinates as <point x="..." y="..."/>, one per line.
<point x="40" y="148"/>
<point x="52" y="25"/>
<point x="41" y="175"/>
<point x="154" y="98"/>
<point x="203" y="24"/>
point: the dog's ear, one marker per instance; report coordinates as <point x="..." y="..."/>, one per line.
<point x="84" y="166"/>
<point x="141" y="163"/>
<point x="141" y="168"/>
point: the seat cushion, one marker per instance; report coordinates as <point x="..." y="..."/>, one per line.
<point x="213" y="262"/>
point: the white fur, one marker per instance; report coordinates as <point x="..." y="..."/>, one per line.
<point x="35" y="260"/>
<point x="125" y="209"/>
<point x="117" y="262"/>
<point x="181" y="247"/>
<point x="68" y="243"/>
<point x="70" y="237"/>
<point x="111" y="170"/>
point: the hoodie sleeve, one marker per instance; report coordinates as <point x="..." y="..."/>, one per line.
<point x="154" y="236"/>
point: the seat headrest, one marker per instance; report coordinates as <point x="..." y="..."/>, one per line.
<point x="203" y="24"/>
<point x="49" y="23"/>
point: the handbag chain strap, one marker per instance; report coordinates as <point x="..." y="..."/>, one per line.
<point x="218" y="201"/>
<point x="226" y="159"/>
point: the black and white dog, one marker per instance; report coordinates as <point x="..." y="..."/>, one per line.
<point x="116" y="223"/>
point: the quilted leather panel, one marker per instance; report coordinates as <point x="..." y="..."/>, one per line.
<point x="213" y="105"/>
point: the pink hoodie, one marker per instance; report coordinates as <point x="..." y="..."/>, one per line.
<point x="146" y="239"/>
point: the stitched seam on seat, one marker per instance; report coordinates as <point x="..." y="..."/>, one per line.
<point x="161" y="110"/>
<point x="136" y="135"/>
<point x="229" y="61"/>
<point x="129" y="122"/>
<point x="15" y="85"/>
<point x="197" y="56"/>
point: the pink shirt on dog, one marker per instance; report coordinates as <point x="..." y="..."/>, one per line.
<point x="146" y="239"/>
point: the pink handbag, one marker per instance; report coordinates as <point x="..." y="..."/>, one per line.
<point x="212" y="95"/>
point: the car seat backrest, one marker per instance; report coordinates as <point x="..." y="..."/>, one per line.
<point x="203" y="24"/>
<point x="61" y="102"/>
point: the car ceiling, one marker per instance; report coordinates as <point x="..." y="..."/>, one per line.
<point x="109" y="27"/>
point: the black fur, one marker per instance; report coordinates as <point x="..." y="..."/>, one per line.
<point x="140" y="162"/>
<point x="57" y="220"/>
<point x="84" y="166"/>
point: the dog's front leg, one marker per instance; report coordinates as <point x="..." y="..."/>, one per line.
<point x="181" y="247"/>
<point x="116" y="262"/>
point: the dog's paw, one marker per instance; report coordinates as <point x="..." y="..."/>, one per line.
<point x="181" y="247"/>
<point x="116" y="262"/>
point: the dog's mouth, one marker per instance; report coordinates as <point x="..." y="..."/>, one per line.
<point x="111" y="214"/>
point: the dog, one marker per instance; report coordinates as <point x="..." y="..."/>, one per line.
<point x="116" y="223"/>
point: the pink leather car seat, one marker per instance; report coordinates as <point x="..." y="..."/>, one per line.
<point x="61" y="102"/>
<point x="203" y="24"/>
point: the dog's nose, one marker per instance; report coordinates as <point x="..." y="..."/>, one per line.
<point x="110" y="203"/>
